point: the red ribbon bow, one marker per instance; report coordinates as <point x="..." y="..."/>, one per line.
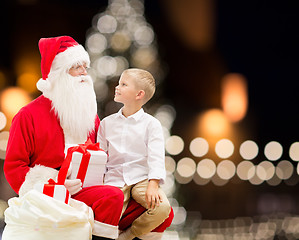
<point x="81" y="148"/>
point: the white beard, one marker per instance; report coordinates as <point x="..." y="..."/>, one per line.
<point x="74" y="102"/>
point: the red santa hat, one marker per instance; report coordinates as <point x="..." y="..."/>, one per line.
<point x="59" y="53"/>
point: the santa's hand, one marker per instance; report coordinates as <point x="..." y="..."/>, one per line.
<point x="74" y="185"/>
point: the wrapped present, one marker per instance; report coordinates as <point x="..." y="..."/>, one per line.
<point x="88" y="163"/>
<point x="58" y="192"/>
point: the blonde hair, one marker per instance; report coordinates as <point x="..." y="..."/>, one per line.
<point x="144" y="80"/>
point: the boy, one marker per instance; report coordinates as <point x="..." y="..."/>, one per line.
<point x="134" y="142"/>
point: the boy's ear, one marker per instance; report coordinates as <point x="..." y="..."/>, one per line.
<point x="140" y="94"/>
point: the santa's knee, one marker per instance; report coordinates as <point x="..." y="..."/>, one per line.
<point x="112" y="200"/>
<point x="116" y="195"/>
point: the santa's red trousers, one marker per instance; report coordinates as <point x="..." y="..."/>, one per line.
<point x="106" y="203"/>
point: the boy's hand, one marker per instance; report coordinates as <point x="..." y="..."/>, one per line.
<point x="152" y="195"/>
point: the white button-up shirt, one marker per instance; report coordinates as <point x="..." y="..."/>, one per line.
<point x="135" y="147"/>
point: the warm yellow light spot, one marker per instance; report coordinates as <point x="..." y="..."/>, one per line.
<point x="144" y="57"/>
<point x="28" y="63"/>
<point x="12" y="100"/>
<point x="214" y="123"/>
<point x="234" y="96"/>
<point x="27" y="81"/>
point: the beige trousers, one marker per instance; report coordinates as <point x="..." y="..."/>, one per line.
<point x="151" y="218"/>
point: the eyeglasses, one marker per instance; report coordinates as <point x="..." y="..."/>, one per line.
<point x="79" y="68"/>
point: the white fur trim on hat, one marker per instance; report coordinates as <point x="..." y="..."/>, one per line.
<point x="69" y="57"/>
<point x="37" y="174"/>
<point x="43" y="85"/>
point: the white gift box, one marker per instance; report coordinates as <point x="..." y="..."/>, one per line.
<point x="58" y="192"/>
<point x="96" y="167"/>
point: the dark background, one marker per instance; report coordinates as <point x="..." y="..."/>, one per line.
<point x="257" y="38"/>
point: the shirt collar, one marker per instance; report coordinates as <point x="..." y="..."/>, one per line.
<point x="136" y="116"/>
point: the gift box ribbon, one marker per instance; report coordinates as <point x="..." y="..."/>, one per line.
<point x="49" y="189"/>
<point x="81" y="148"/>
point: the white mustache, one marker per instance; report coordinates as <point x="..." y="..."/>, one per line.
<point x="83" y="78"/>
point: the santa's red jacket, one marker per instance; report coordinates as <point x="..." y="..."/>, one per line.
<point x="36" y="138"/>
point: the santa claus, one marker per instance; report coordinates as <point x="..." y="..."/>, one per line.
<point x="66" y="113"/>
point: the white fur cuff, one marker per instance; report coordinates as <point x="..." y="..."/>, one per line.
<point x="105" y="230"/>
<point x="37" y="174"/>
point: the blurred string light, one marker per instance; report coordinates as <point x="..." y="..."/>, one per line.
<point x="284" y="169"/>
<point x="245" y="170"/>
<point x="170" y="164"/>
<point x="199" y="147"/>
<point x="226" y="169"/>
<point x="206" y="170"/>
<point x="272" y="226"/>
<point x="166" y="115"/>
<point x="174" y="145"/>
<point x="180" y="213"/>
<point x="273" y="150"/>
<point x="294" y="151"/>
<point x="186" y="167"/>
<point x="265" y="170"/>
<point x="249" y="150"/>
<point x="169" y="185"/>
<point x="224" y="148"/>
<point x="121" y="38"/>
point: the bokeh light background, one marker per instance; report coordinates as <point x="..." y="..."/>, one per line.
<point x="227" y="98"/>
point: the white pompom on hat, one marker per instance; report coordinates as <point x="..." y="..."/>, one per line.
<point x="59" y="53"/>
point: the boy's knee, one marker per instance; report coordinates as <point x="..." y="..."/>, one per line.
<point x="166" y="208"/>
<point x="163" y="210"/>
